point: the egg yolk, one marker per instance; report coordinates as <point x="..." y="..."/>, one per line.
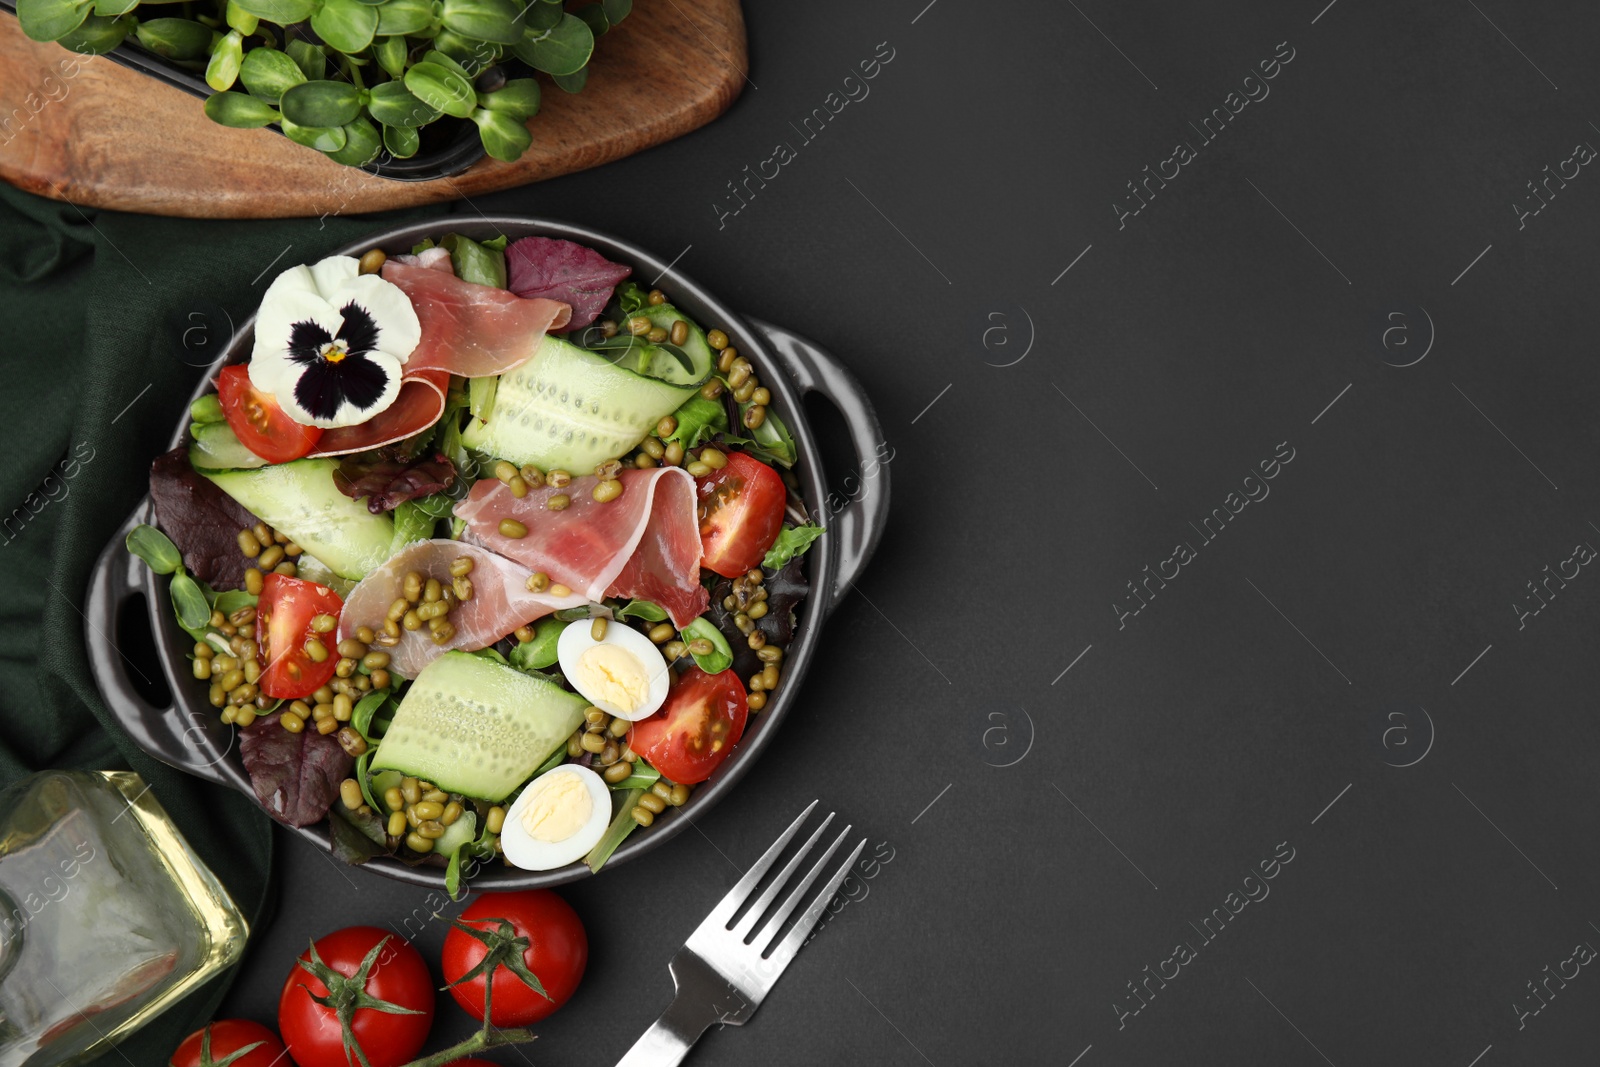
<point x="559" y="808"/>
<point x="614" y="676"/>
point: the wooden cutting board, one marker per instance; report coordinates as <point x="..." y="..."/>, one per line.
<point x="116" y="138"/>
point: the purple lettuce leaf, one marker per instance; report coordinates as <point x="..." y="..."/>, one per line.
<point x="296" y="776"/>
<point x="202" y="520"/>
<point x="387" y="478"/>
<point x="566" y="271"/>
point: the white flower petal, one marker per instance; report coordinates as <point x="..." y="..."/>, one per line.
<point x="297" y="278"/>
<point x="271" y="369"/>
<point x="399" y="330"/>
<point x="333" y="273"/>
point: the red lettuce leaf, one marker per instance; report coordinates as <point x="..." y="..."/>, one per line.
<point x="566" y="271"/>
<point x="387" y="478"/>
<point x="202" y="520"/>
<point x="296" y="776"/>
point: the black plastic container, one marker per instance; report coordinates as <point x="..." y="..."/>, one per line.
<point x="447" y="155"/>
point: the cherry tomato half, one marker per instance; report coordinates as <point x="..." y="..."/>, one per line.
<point x="744" y="513"/>
<point x="228" y="1036"/>
<point x="696" y="728"/>
<point x="283" y="625"/>
<point x="399" y="976"/>
<point x="258" y="422"/>
<point x="557" y="952"/>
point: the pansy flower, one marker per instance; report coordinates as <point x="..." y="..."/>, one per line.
<point x="331" y="342"/>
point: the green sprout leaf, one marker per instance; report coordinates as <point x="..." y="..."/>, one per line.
<point x="240" y="19"/>
<point x="268" y="74"/>
<point x="240" y="111"/>
<point x="540" y="17"/>
<point x="347" y="25"/>
<point x="720" y="658"/>
<point x="226" y="55"/>
<point x="648" y="610"/>
<point x="322" y="104"/>
<point x="391" y="54"/>
<point x="572" y="83"/>
<point x="617" y="10"/>
<point x="310" y="58"/>
<point x="189" y="602"/>
<point x="539" y="653"/>
<point x="50" y="20"/>
<point x="155" y="548"/>
<point x="98" y="35"/>
<point x="179" y="39"/>
<point x="497" y="21"/>
<point x="392" y="104"/>
<point x="518" y="98"/>
<point x="207" y="409"/>
<point x="396" y="17"/>
<point x="282" y="12"/>
<point x="322" y="138"/>
<point x="113" y="8"/>
<point x="470" y="54"/>
<point x="440" y="87"/>
<point x="362" y="144"/>
<point x="401" y="141"/>
<point x="505" y="137"/>
<point x="563" y="49"/>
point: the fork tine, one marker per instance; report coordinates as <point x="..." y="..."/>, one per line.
<point x="786" y="949"/>
<point x="717" y="921"/>
<point x="770" y="929"/>
<point x="748" y="923"/>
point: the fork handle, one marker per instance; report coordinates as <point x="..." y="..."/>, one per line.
<point x="670" y="1037"/>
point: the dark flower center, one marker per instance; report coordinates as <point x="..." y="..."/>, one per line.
<point x="337" y="370"/>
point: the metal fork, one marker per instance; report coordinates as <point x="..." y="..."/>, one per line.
<point x="721" y="979"/>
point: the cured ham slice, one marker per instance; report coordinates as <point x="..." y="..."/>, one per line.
<point x="500" y="601"/>
<point x="419" y="405"/>
<point x="469" y="329"/>
<point x="645" y="543"/>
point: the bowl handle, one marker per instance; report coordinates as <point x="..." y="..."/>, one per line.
<point x="161" y="731"/>
<point x="856" y="524"/>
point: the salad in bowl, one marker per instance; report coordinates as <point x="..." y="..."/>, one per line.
<point x="488" y="553"/>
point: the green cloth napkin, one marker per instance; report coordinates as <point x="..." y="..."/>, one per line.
<point x="105" y="320"/>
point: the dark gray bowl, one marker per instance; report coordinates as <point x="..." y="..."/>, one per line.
<point x="188" y="734"/>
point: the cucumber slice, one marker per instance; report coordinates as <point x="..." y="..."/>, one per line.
<point x="570" y="408"/>
<point x="301" y="500"/>
<point x="217" y="448"/>
<point x="387" y="780"/>
<point x="461" y="832"/>
<point x="476" y="727"/>
<point x="697" y="348"/>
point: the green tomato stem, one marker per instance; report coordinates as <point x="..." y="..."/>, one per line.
<point x="484" y="1039"/>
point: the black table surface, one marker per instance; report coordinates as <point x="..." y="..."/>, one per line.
<point x="1222" y="691"/>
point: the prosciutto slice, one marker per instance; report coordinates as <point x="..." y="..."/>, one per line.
<point x="467" y="329"/>
<point x="645" y="543"/>
<point x="419" y="405"/>
<point x="500" y="601"/>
